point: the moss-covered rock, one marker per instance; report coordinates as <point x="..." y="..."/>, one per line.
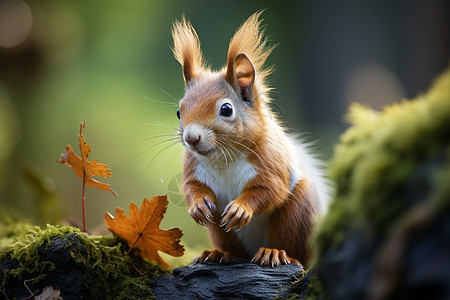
<point x="79" y="265"/>
<point x="390" y="217"/>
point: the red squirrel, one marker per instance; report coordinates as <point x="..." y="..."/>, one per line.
<point x="255" y="187"/>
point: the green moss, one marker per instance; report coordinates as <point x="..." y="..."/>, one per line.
<point x="9" y="230"/>
<point x="292" y="297"/>
<point x="314" y="289"/>
<point x="308" y="286"/>
<point x="23" y="248"/>
<point x="114" y="274"/>
<point x="377" y="159"/>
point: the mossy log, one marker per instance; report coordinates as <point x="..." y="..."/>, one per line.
<point x="387" y="234"/>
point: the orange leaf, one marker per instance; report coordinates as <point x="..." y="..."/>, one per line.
<point x="81" y="165"/>
<point x="141" y="229"/>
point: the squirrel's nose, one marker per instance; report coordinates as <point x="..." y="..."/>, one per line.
<point x="192" y="134"/>
<point x="192" y="140"/>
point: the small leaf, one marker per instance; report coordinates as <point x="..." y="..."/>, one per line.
<point x="81" y="165"/>
<point x="141" y="229"/>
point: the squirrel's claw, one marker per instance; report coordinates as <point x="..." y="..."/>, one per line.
<point x="272" y="257"/>
<point x="235" y="215"/>
<point x="213" y="256"/>
<point x="202" y="211"/>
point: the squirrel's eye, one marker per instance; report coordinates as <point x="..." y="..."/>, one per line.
<point x="226" y="110"/>
<point x="178" y="114"/>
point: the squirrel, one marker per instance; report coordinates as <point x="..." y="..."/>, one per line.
<point x="256" y="188"/>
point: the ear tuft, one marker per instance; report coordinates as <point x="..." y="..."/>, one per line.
<point x="246" y="56"/>
<point x="186" y="49"/>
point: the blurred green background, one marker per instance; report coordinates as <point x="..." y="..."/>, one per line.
<point x="110" y="63"/>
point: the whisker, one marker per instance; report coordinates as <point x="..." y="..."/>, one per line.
<point x="211" y="124"/>
<point x="164" y="161"/>
<point x="159" y="143"/>
<point x="236" y="149"/>
<point x="225" y="143"/>
<point x="164" y="135"/>
<point x="217" y="153"/>
<point x="256" y="154"/>
<point x="225" y="148"/>
<point x="239" y="151"/>
<point x="165" y="141"/>
<point x="217" y="156"/>
<point x="163" y="126"/>
<point x="224" y="155"/>
<point x="176" y="101"/>
<point x="161" y="150"/>
<point x="158" y="101"/>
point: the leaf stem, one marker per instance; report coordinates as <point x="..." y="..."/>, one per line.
<point x="84" y="214"/>
<point x="131" y="248"/>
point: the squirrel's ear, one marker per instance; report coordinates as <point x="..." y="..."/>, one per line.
<point x="241" y="74"/>
<point x="186" y="48"/>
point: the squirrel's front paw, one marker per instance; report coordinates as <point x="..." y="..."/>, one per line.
<point x="235" y="214"/>
<point x="202" y="211"/>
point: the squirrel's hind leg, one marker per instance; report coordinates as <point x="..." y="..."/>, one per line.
<point x="273" y="257"/>
<point x="213" y="256"/>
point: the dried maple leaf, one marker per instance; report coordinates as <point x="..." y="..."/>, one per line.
<point x="141" y="229"/>
<point x="85" y="168"/>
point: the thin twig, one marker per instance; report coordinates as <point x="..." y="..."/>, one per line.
<point x="137" y="269"/>
<point x="31" y="293"/>
<point x="4" y="294"/>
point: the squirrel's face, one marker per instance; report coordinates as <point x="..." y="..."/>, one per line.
<point x="214" y="119"/>
<point x="221" y="114"/>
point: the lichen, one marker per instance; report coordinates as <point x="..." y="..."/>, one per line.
<point x="114" y="273"/>
<point x="378" y="158"/>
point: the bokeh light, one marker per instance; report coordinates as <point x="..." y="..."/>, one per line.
<point x="373" y="85"/>
<point x="15" y="22"/>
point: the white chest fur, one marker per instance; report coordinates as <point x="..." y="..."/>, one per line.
<point x="227" y="183"/>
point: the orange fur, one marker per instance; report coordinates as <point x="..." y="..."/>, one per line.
<point x="249" y="168"/>
<point x="249" y="39"/>
<point x="209" y="92"/>
<point x="186" y="49"/>
<point x="291" y="231"/>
